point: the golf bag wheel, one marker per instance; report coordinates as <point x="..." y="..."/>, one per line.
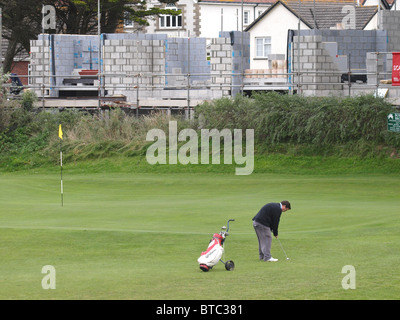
<point x="229" y="265"/>
<point x="204" y="267"/>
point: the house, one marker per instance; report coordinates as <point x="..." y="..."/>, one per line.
<point x="225" y="15"/>
<point x="202" y="18"/>
<point x="187" y="23"/>
<point x="269" y="32"/>
<point x="385" y="4"/>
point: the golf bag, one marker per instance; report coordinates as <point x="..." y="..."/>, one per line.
<point x="215" y="250"/>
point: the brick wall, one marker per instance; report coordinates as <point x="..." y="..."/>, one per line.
<point x="21" y="69"/>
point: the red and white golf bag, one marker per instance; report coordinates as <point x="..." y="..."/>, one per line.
<point x="215" y="250"/>
<point x="213" y="254"/>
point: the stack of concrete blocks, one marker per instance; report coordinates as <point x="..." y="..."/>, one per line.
<point x="321" y="76"/>
<point x="277" y="66"/>
<point x="221" y="66"/>
<point x="40" y="65"/>
<point x="376" y="62"/>
<point x="275" y="74"/>
<point x="240" y="42"/>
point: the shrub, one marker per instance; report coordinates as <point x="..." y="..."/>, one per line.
<point x="29" y="97"/>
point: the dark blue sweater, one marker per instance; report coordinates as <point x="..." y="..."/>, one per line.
<point x="269" y="216"/>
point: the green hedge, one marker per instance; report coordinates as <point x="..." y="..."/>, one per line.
<point x="283" y="124"/>
<point x="309" y="121"/>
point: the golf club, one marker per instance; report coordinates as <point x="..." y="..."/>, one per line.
<point x="287" y="258"/>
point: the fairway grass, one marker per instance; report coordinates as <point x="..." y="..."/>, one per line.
<point x="138" y="235"/>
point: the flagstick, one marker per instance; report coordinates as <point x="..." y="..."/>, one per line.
<point x="61" y="165"/>
<point x="60" y="135"/>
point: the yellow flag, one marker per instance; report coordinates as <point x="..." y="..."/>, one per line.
<point x="60" y="133"/>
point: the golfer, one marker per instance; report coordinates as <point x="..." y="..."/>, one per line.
<point x="265" y="221"/>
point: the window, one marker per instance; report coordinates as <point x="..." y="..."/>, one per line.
<point x="246" y="17"/>
<point x="263" y="47"/>
<point x="169" y="21"/>
<point x="127" y="20"/>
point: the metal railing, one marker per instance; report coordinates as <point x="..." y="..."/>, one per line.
<point x="142" y="86"/>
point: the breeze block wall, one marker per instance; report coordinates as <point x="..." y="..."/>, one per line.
<point x="353" y="43"/>
<point x="391" y="23"/>
<point x="321" y="74"/>
<point x="140" y="65"/>
<point x="40" y="64"/>
<point x="57" y="56"/>
<point x="125" y="59"/>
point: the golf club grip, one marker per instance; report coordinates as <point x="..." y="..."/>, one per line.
<point x="228" y="224"/>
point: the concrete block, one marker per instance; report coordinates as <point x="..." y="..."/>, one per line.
<point x="127" y="80"/>
<point x="115" y="55"/>
<point x="310" y="59"/>
<point x="308" y="66"/>
<point x="331" y="48"/>
<point x="222" y="54"/>
<point x="120" y="49"/>
<point x="304" y="59"/>
<point x="120" y="61"/>
<point x="115" y="81"/>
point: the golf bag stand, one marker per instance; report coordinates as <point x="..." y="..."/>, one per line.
<point x="215" y="250"/>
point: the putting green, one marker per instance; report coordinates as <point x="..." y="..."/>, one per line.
<point x="138" y="236"/>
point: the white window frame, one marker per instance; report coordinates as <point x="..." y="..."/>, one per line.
<point x="263" y="47"/>
<point x="167" y="21"/>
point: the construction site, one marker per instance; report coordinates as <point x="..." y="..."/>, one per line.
<point x="154" y="71"/>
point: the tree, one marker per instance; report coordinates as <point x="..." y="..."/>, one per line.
<point x="21" y="23"/>
<point x="22" y="19"/>
<point x="80" y="16"/>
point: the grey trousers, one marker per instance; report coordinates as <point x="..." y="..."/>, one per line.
<point x="264" y="240"/>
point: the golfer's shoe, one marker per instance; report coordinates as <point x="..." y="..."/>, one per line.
<point x="272" y="260"/>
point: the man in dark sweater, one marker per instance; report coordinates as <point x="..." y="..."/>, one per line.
<point x="265" y="221"/>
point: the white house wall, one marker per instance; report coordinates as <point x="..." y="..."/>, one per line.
<point x="189" y="27"/>
<point x="275" y="25"/>
<point x="373" y="24"/>
<point x="227" y="17"/>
